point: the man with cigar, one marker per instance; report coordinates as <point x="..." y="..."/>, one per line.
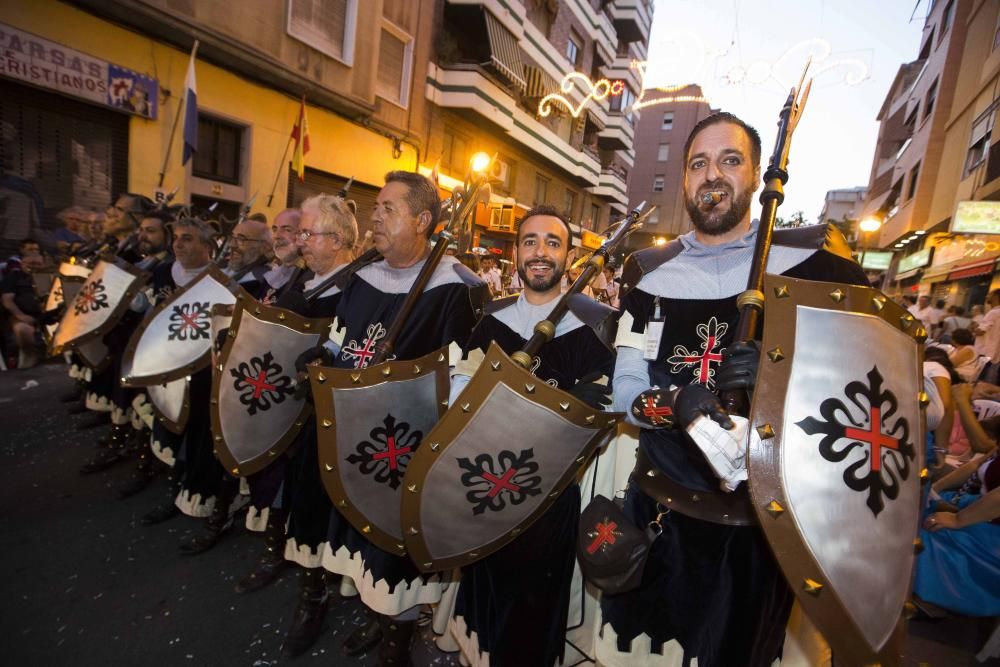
<point x="711" y="590"/>
<point x="512" y="606"/>
<point x="405" y="215"/>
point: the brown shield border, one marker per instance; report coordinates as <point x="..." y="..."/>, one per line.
<point x="279" y="316"/>
<point x="176" y="427"/>
<point x="819" y="601"/>
<point x="496" y="368"/>
<point x="87" y="354"/>
<point x="142" y="277"/>
<point x="201" y="362"/>
<point x="323" y="379"/>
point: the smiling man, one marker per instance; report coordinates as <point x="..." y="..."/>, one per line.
<point x="711" y="589"/>
<point x="512" y="606"/>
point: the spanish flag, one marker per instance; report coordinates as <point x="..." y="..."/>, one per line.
<point x="300" y="135"/>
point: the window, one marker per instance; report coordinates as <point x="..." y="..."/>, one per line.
<point x="911" y="120"/>
<point x="996" y="35"/>
<point x="930" y="98"/>
<point x="395" y="59"/>
<point x="668" y="121"/>
<point x="914" y="175"/>
<point x="325" y="25"/>
<point x="455" y="152"/>
<point x="220" y="148"/>
<point x="622" y="102"/>
<point x="595" y="217"/>
<point x="979" y="141"/>
<point x="946" y="19"/>
<point x="569" y="204"/>
<point x="663" y="153"/>
<point x="541" y="189"/>
<point x="574" y="49"/>
<point x="658" y="184"/>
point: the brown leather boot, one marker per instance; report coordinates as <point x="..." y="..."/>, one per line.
<point x="272" y="562"/>
<point x="307" y="623"/>
<point x="397" y="636"/>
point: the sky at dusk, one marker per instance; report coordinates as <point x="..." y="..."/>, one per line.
<point x="746" y="54"/>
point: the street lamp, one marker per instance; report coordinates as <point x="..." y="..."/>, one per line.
<point x="480" y="162"/>
<point x="867" y="226"/>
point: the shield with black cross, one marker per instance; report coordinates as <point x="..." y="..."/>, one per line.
<point x="255" y="413"/>
<point x="370" y="422"/>
<point x="836" y="474"/>
<point x="497" y="460"/>
<point x="175" y="338"/>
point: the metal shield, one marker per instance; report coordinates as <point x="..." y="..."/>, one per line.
<point x="835" y="480"/>
<point x="67" y="282"/>
<point x="99" y="304"/>
<point x="255" y="414"/>
<point x="171" y="404"/>
<point x="369" y="424"/>
<point x="497" y="460"/>
<point x="175" y="339"/>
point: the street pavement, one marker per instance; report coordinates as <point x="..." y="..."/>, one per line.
<point x="83" y="583"/>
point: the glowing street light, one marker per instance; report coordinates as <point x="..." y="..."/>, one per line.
<point x="480" y="162"/>
<point x="869" y="225"/>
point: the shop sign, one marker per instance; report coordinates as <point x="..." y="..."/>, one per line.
<point x="915" y="261"/>
<point x="39" y="62"/>
<point x="873" y="260"/>
<point x="976" y="217"/>
<point x="589" y="239"/>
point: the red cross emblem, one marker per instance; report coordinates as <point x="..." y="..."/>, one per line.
<point x="874" y="437"/>
<point x="363" y="353"/>
<point x="501" y="483"/>
<point x="87" y="296"/>
<point x="711" y="334"/>
<point x="657" y="415"/>
<point x="188" y="320"/>
<point x="392" y="452"/>
<point x="604" y="533"/>
<point x="259" y="384"/>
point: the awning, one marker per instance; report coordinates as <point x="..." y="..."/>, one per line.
<point x="505" y="54"/>
<point x="875" y="204"/>
<point x="538" y="83"/>
<point x="906" y="276"/>
<point x="973" y="270"/>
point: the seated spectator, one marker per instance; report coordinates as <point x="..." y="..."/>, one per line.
<point x="17" y="292"/>
<point x="963" y="355"/>
<point x="939" y="377"/>
<point x="959" y="567"/>
<point x="68" y="237"/>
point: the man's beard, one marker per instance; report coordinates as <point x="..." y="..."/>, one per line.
<point x="147" y="249"/>
<point x="540" y="284"/>
<point x="716" y="225"/>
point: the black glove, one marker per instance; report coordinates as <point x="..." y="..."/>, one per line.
<point x="597" y="396"/>
<point x="53" y="316"/>
<point x="694" y="400"/>
<point x="738" y="370"/>
<point x="311" y="356"/>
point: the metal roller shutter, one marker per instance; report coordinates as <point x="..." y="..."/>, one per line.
<point x="55" y="152"/>
<point x="320" y="182"/>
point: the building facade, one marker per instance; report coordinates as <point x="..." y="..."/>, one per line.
<point x="658" y="178"/>
<point x="843" y="208"/>
<point x="934" y="151"/>
<point x="389" y="84"/>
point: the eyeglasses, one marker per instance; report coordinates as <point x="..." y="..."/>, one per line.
<point x="305" y="234"/>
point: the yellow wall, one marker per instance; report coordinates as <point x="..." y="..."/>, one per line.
<point x="337" y="145"/>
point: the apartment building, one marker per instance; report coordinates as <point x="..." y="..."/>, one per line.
<point x="843" y="208"/>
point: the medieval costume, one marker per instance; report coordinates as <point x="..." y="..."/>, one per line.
<point x="711" y="591"/>
<point x="512" y="605"/>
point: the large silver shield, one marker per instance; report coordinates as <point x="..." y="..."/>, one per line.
<point x="175" y="339"/>
<point x="99" y="304"/>
<point x="369" y="424"/>
<point x="255" y="414"/>
<point x="497" y="460"/>
<point x="67" y="282"/>
<point x="171" y="406"/>
<point x="835" y="480"/>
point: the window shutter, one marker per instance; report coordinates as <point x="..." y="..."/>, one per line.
<point x="391" y="55"/>
<point x="320" y="23"/>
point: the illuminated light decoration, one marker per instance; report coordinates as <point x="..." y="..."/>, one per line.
<point x="759" y="72"/>
<point x="597" y="91"/>
<point x="617" y="87"/>
<point x="641" y="102"/>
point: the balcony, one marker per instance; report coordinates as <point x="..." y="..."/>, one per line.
<point x="469" y="88"/>
<point x="611" y="185"/>
<point x="618" y="133"/>
<point x="632" y="19"/>
<point x="621" y="69"/>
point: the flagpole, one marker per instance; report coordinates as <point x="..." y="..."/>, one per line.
<point x="173" y="130"/>
<point x="277" y="174"/>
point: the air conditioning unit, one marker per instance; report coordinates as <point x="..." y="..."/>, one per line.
<point x="500" y="172"/>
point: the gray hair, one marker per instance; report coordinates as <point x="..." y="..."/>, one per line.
<point x="206" y="233"/>
<point x="333" y="214"/>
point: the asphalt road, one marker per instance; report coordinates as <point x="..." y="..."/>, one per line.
<point x="83" y="583"/>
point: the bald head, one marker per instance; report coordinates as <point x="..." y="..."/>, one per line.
<point x="284" y="230"/>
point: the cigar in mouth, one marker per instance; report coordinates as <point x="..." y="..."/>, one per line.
<point x="712" y="197"/>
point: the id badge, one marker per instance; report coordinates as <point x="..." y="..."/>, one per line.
<point x="654" y="332"/>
